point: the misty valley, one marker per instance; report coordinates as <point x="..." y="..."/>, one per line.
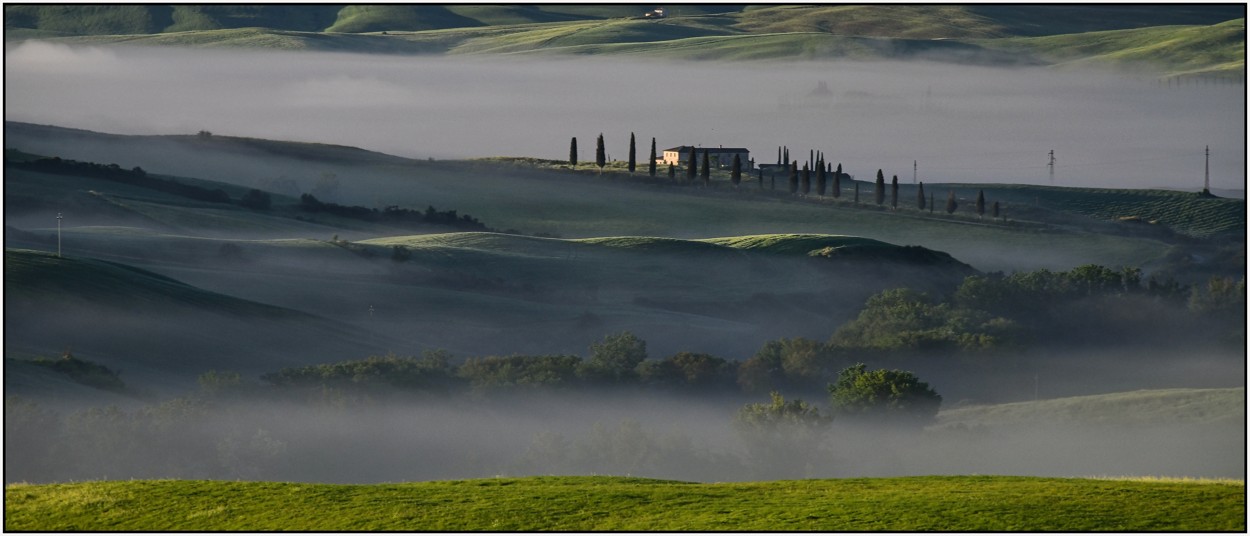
<point x="417" y="256"/>
<point x="246" y="351"/>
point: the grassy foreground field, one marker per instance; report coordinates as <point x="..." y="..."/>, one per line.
<point x="611" y="503"/>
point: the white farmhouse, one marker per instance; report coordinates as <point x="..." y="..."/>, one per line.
<point x="717" y="156"/>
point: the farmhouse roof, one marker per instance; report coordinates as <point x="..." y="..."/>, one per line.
<point x="687" y="148"/>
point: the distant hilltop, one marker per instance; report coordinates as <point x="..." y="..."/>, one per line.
<point x="1172" y="38"/>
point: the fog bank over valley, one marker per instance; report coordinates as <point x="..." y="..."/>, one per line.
<point x="960" y="123"/>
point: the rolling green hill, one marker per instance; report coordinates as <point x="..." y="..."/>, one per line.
<point x="1135" y="408"/>
<point x="1210" y="40"/>
<point x="1219" y="48"/>
<point x="549" y="198"/>
<point x="630" y="504"/>
<point x="801" y="266"/>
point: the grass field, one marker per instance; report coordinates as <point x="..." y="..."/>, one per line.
<point x="1209" y="42"/>
<point x="631" y="504"/>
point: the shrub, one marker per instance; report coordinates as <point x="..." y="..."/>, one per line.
<point x="882" y="395"/>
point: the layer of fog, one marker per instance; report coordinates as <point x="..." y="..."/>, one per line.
<point x="961" y="123"/>
<point x="327" y="439"/>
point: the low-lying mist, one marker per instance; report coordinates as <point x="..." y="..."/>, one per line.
<point x="959" y="123"/>
<point x="332" y="438"/>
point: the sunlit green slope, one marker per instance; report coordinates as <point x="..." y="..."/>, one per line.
<point x="1211" y="39"/>
<point x="629" y="504"/>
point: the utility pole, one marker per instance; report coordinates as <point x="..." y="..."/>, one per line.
<point x="58" y="235"/>
<point x="1206" y="181"/>
<point x="1052" y="166"/>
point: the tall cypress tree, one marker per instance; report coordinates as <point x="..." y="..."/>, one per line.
<point x="672" y="171"/>
<point x="980" y="203"/>
<point x="920" y="197"/>
<point x="994" y="211"/>
<point x="736" y="174"/>
<point x="820" y="178"/>
<point x="632" y="160"/>
<point x="794" y="177"/>
<point x="692" y="167"/>
<point x="573" y="153"/>
<point x="761" y="174"/>
<point x="807" y="179"/>
<point x="779" y="155"/>
<point x="856" y="193"/>
<point x="879" y="194"/>
<point x="837" y="182"/>
<point x="651" y="166"/>
<point x="951" y="205"/>
<point x="785" y="158"/>
<point x="894" y="193"/>
<point x="600" y="155"/>
<point x="706" y="172"/>
<point x="931" y="203"/>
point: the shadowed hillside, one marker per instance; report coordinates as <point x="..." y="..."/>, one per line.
<point x="144" y="323"/>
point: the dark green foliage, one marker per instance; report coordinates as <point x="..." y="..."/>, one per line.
<point x="920" y="197"/>
<point x="672" y="171"/>
<point x="837" y="182"/>
<point x="907" y="320"/>
<point x="951" y="205"/>
<point x="394" y="215"/>
<point x="980" y="203"/>
<point x="879" y="190"/>
<point x="693" y="166"/>
<point x="1095" y="305"/>
<point x="632" y="158"/>
<point x="115" y="173"/>
<point x="894" y="193"/>
<point x="84" y="372"/>
<point x="686" y="370"/>
<point x="806" y="183"/>
<point x="779" y="414"/>
<point x="857" y="193"/>
<point x="994" y="210"/>
<point x="215" y="383"/>
<point x="760" y="172"/>
<point x="1221" y="296"/>
<point x="735" y="174"/>
<point x="573" y="153"/>
<point x="527" y="372"/>
<point x="821" y="179"/>
<point x="651" y="161"/>
<point x="615" y="359"/>
<point x="431" y="372"/>
<point x="881" y="395"/>
<point x="255" y="200"/>
<point x="1029" y="293"/>
<point x="706" y="172"/>
<point x="789" y="364"/>
<point x="600" y="155"/>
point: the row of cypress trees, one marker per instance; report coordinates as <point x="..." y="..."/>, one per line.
<point x="823" y="171"/>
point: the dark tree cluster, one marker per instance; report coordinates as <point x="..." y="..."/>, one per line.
<point x="393" y="214"/>
<point x="113" y="172"/>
